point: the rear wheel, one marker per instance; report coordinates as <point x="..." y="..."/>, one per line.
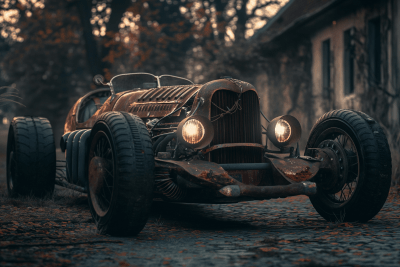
<point x="31" y="157"/>
<point x="364" y="169"/>
<point x="121" y="174"/>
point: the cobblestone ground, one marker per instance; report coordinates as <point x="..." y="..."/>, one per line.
<point x="281" y="232"/>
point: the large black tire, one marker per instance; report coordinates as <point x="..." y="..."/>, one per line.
<point x="121" y="174"/>
<point x="367" y="186"/>
<point x="31" y="157"/>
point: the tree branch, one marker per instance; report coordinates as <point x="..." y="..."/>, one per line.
<point x="380" y="88"/>
<point x="263" y="6"/>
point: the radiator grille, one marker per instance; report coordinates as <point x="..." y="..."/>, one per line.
<point x="243" y="126"/>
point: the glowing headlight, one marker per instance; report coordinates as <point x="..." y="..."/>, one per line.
<point x="193" y="131"/>
<point x="282" y="131"/>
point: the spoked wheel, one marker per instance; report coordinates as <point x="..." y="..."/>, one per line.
<point x="340" y="192"/>
<point x="101" y="169"/>
<point x="358" y="182"/>
<point x="121" y="174"/>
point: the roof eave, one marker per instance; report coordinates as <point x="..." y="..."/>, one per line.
<point x="300" y="21"/>
<point x="272" y="20"/>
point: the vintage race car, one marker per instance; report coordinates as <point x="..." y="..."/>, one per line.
<point x="148" y="137"/>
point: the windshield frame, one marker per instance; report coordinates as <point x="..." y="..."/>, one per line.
<point x="168" y="75"/>
<point x="145" y="73"/>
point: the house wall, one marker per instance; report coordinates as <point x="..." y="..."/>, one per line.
<point x="380" y="101"/>
<point x="290" y="80"/>
<point x="370" y="99"/>
<point x="394" y="57"/>
<point x="337" y="98"/>
<point x="284" y="85"/>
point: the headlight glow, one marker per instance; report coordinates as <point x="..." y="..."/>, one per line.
<point x="193" y="131"/>
<point x="282" y="131"/>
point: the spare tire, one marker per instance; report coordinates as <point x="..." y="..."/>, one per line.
<point x="31" y="157"/>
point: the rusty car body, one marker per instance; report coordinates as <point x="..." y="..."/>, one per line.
<point x="207" y="147"/>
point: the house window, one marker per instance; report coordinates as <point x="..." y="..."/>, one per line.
<point x="348" y="67"/>
<point x="374" y="52"/>
<point x="326" y="70"/>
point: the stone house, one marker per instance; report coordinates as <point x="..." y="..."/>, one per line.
<point x="319" y="55"/>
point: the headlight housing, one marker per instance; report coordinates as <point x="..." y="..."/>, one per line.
<point x="284" y="131"/>
<point x="195" y="131"/>
<point x="192" y="131"/>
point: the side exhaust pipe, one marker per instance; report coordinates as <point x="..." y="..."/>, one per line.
<point x="265" y="192"/>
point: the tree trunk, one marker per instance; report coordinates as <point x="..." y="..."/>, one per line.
<point x="220" y="7"/>
<point x="118" y="8"/>
<point x="90" y="43"/>
<point x="241" y="22"/>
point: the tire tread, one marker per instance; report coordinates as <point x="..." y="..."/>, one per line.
<point x="34" y="149"/>
<point x="135" y="175"/>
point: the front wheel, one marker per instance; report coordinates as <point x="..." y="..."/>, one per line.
<point x="121" y="174"/>
<point x="364" y="166"/>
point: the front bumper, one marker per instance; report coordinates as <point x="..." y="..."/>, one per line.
<point x="213" y="176"/>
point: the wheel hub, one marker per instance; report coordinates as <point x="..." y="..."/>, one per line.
<point x="335" y="166"/>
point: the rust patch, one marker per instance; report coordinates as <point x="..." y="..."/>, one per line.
<point x="300" y="176"/>
<point x="199" y="172"/>
<point x="296" y="169"/>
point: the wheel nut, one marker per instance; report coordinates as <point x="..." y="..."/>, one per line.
<point x="340" y="160"/>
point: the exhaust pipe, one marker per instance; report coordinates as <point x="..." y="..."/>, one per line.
<point x="265" y="192"/>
